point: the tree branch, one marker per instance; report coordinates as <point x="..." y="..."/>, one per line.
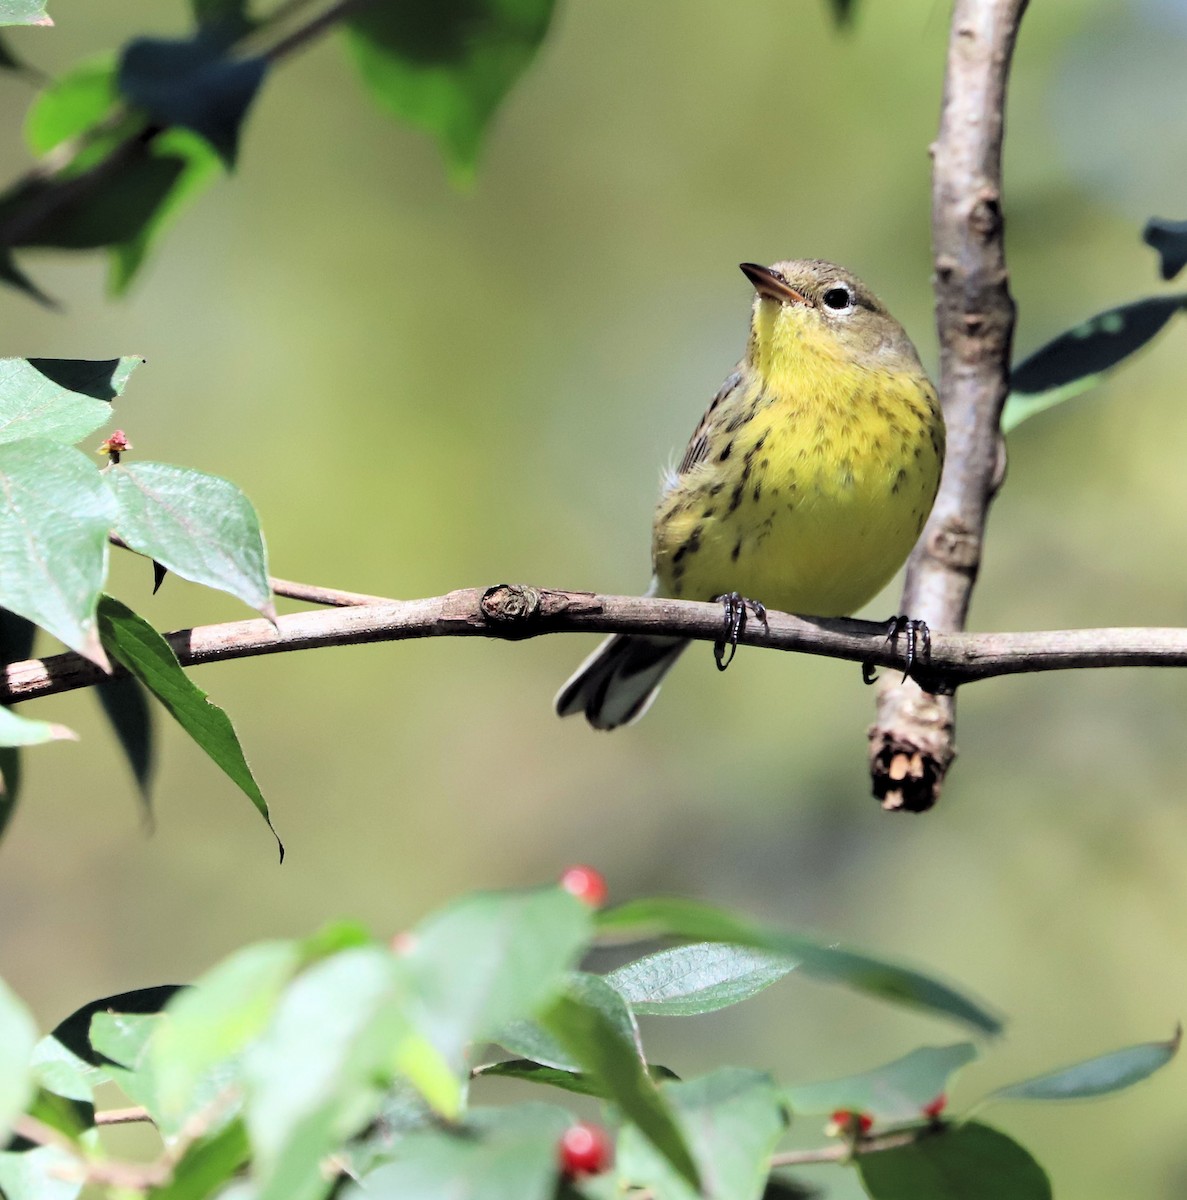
<point x="911" y="743"/>
<point x="515" y="612"/>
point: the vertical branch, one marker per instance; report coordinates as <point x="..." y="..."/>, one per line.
<point x="911" y="742"/>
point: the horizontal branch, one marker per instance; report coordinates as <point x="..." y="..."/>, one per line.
<point x="515" y="612"/>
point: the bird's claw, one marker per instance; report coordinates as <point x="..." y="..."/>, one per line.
<point x="735" y="607"/>
<point x="918" y="638"/>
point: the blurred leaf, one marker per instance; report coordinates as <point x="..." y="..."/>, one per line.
<point x="490" y="959"/>
<point x="23" y="731"/>
<point x="99" y="378"/>
<point x="217" y="1018"/>
<point x="18" y="1036"/>
<point x="198" y="526"/>
<point x="1169" y="238"/>
<point x="699" y="978"/>
<point x="499" y="1154"/>
<point x="1078" y="360"/>
<point x="731" y="1119"/>
<point x="24" y="12"/>
<point x="46" y="1173"/>
<point x="527" y="1039"/>
<point x="38" y="401"/>
<point x="74" y="1033"/>
<point x="193" y="84"/>
<point x="783" y="1188"/>
<point x="207" y="1165"/>
<point x="55" y="511"/>
<point x="125" y="703"/>
<point x="11" y="274"/>
<point x="71" y="105"/>
<point x="447" y="68"/>
<point x="605" y="1054"/>
<point x="139" y="648"/>
<point x="887" y="981"/>
<point x="16" y="65"/>
<point x="1095" y="1076"/>
<point x="69" y="1117"/>
<point x="59" y="1070"/>
<point x="568" y="1081"/>
<point x="122" y="1038"/>
<point x="225" y="20"/>
<point x="10" y="784"/>
<point x="895" y="1092"/>
<point x="843" y="11"/>
<point x="968" y="1162"/>
<point x="200" y="167"/>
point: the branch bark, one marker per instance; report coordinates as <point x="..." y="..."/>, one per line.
<point x="513" y="612"/>
<point x="911" y="742"/>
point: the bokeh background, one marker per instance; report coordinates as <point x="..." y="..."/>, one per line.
<point x="423" y="388"/>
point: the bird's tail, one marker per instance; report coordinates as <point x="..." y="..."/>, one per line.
<point x="617" y="683"/>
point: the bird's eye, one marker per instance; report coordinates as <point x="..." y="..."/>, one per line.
<point x="838" y="298"/>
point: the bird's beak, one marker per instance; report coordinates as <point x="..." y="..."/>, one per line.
<point x="770" y="286"/>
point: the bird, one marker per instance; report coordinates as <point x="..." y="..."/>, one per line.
<point x="804" y="487"/>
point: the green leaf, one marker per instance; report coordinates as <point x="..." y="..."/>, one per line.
<point x="18" y="1036"/>
<point x="589" y="1036"/>
<point x="569" y="1081"/>
<point x="74" y="1033"/>
<point x="140" y="649"/>
<point x="59" y="399"/>
<point x="69" y="1117"/>
<point x="1078" y="360"/>
<point x="1169" y="238"/>
<point x="193" y="84"/>
<point x="125" y="703"/>
<point x="446" y="69"/>
<point x="55" y="512"/>
<point x="199" y="526"/>
<point x="212" y="1022"/>
<point x="24" y="12"/>
<point x="490" y="959"/>
<point x="122" y="1038"/>
<point x="499" y="1154"/>
<point x="71" y="105"/>
<point x="61" y="1071"/>
<point x="887" y="981"/>
<point x="699" y="978"/>
<point x="22" y="731"/>
<point x="732" y="1120"/>
<point x="207" y="1165"/>
<point x="892" y="1093"/>
<point x="46" y="1173"/>
<point x="1095" y="1076"/>
<point x="969" y="1162"/>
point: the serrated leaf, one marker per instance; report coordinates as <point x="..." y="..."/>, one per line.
<point x="490" y="959"/>
<point x="71" y="105"/>
<point x="731" y="1119"/>
<point x="1080" y="359"/>
<point x="55" y="512"/>
<point x="46" y="1173"/>
<point x="875" y="977"/>
<point x="1095" y="1076"/>
<point x="603" y="1053"/>
<point x="896" y="1092"/>
<point x="198" y="526"/>
<point x="18" y="1036"/>
<point x="700" y="978"/>
<point x="125" y="703"/>
<point x="499" y="1154"/>
<point x="23" y="731"/>
<point x="24" y="12"/>
<point x="446" y="70"/>
<point x="193" y="84"/>
<point x="59" y="399"/>
<point x="139" y="648"/>
<point x="966" y="1162"/>
<point x="1169" y="239"/>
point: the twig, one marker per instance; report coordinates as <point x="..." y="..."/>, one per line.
<point x="911" y="743"/>
<point x="844" y="1151"/>
<point x="122" y="1116"/>
<point x="514" y="612"/>
<point x="313" y="593"/>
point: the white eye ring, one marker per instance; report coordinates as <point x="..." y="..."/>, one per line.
<point x="838" y="298"/>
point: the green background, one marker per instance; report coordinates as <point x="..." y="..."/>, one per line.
<point x="424" y="389"/>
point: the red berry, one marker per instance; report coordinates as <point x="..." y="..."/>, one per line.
<point x="845" y="1120"/>
<point x="936" y="1107"/>
<point x="586" y="884"/>
<point x="585" y="1150"/>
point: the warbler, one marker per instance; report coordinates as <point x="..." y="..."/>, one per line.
<point x="805" y="485"/>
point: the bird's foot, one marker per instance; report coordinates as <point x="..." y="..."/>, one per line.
<point x="918" y="639"/>
<point x="735" y="607"/>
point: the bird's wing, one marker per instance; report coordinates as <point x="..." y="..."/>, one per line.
<point x="698" y="447"/>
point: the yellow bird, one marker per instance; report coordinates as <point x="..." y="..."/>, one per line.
<point x="805" y="485"/>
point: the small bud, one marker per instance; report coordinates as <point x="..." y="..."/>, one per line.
<point x="933" y="1109"/>
<point x="588" y="885"/>
<point x="847" y="1123"/>
<point x="585" y="1149"/>
<point x="115" y="445"/>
